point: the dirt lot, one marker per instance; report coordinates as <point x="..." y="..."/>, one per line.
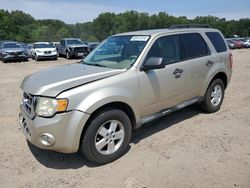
<point x="186" y="149"/>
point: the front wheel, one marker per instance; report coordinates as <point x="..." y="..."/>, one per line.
<point x="68" y="56"/>
<point x="107" y="137"/>
<point x="36" y="58"/>
<point x="214" y="96"/>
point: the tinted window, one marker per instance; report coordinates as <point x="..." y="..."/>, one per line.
<point x="167" y="47"/>
<point x="195" y="46"/>
<point x="217" y="41"/>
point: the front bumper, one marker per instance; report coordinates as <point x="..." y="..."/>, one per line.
<point x="47" y="56"/>
<point x="66" y="128"/>
<point x="15" y="57"/>
<point x="43" y="55"/>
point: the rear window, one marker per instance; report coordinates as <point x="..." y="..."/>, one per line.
<point x="217" y="41"/>
<point x="195" y="46"/>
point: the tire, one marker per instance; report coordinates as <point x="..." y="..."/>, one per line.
<point x="68" y="56"/>
<point x="214" y="96"/>
<point x="36" y="58"/>
<point x="114" y="145"/>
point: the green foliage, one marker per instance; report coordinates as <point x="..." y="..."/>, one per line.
<point x="17" y="25"/>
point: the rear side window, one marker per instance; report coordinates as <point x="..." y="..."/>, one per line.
<point x="195" y="46"/>
<point x="217" y="41"/>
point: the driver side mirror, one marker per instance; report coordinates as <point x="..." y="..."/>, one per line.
<point x="153" y="63"/>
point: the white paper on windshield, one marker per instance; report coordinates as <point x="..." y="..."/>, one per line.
<point x="139" y="38"/>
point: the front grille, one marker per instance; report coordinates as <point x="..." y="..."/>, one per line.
<point x="80" y="49"/>
<point x="47" y="52"/>
<point x="29" y="105"/>
<point x="16" y="53"/>
<point x="24" y="126"/>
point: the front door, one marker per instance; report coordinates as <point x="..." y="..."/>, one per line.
<point x="163" y="88"/>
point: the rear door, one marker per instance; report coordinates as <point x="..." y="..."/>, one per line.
<point x="162" y="88"/>
<point x="198" y="57"/>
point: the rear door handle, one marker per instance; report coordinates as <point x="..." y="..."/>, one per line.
<point x="209" y="63"/>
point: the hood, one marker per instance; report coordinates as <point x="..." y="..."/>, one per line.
<point x="50" y="82"/>
<point x="45" y="49"/>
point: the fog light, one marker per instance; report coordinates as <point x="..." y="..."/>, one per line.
<point x="47" y="139"/>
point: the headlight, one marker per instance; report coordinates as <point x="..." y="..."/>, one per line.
<point x="38" y="51"/>
<point x="47" y="107"/>
<point x="71" y="49"/>
<point x="5" y="53"/>
<point x="54" y="50"/>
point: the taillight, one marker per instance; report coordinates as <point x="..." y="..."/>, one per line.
<point x="231" y="60"/>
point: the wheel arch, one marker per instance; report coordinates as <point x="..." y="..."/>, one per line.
<point x="112" y="105"/>
<point x="221" y="75"/>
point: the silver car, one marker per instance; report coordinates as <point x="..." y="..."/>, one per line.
<point x="128" y="80"/>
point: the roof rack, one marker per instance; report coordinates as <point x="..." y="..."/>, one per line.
<point x="182" y="26"/>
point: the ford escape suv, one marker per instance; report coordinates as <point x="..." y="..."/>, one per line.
<point x="128" y="80"/>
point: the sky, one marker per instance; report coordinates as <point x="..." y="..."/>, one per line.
<point x="79" y="11"/>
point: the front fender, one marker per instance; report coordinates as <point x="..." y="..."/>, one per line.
<point x="105" y="96"/>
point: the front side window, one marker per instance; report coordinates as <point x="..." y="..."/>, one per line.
<point x="118" y="52"/>
<point x="195" y="46"/>
<point x="168" y="48"/>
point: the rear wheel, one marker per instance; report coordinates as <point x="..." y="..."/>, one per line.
<point x="214" y="96"/>
<point x="107" y="137"/>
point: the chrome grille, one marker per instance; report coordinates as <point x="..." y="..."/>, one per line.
<point x="24" y="126"/>
<point x="47" y="52"/>
<point x="29" y="105"/>
<point x="80" y="49"/>
<point x="16" y="53"/>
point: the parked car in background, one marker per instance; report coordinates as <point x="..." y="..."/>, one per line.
<point x="12" y="51"/>
<point x="27" y="47"/>
<point x="43" y="50"/>
<point x="247" y="43"/>
<point x="230" y="44"/>
<point x="93" y="45"/>
<point x="73" y="47"/>
<point x="56" y="45"/>
<point x="237" y="44"/>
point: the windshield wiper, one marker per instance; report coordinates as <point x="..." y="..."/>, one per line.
<point x="93" y="64"/>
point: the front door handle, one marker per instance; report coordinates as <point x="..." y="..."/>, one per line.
<point x="177" y="73"/>
<point x="209" y="63"/>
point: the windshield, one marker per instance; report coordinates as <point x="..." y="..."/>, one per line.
<point x="74" y="41"/>
<point x="118" y="52"/>
<point x="43" y="45"/>
<point x="12" y="45"/>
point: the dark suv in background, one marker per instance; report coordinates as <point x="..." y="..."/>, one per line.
<point x="72" y="47"/>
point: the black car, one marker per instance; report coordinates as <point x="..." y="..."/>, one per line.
<point x="12" y="51"/>
<point x="93" y="45"/>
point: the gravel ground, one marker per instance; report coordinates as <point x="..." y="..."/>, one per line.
<point x="186" y="149"/>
